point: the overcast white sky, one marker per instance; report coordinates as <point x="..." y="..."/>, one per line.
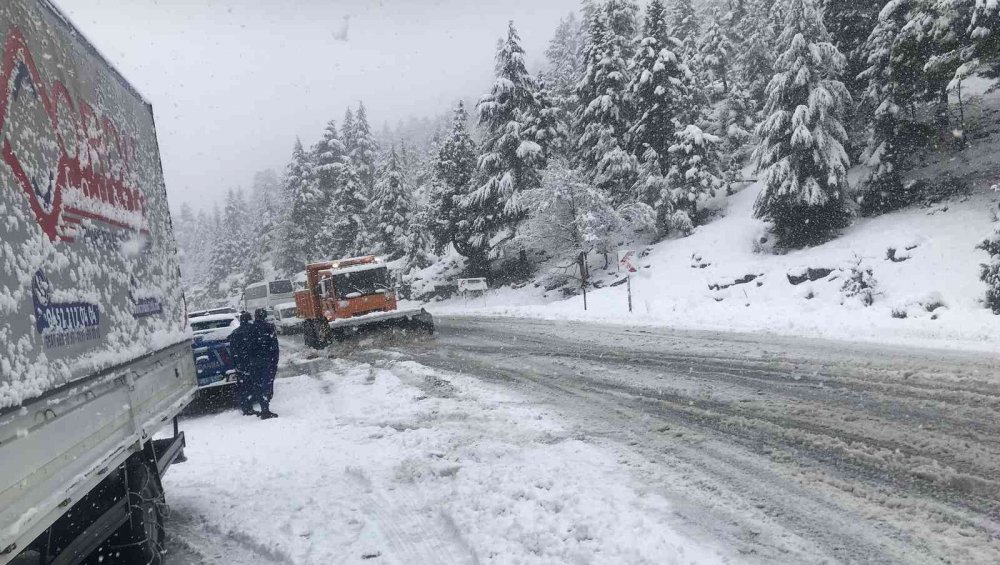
<point x="233" y="82"/>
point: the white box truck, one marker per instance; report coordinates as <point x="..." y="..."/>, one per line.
<point x="95" y="354"/>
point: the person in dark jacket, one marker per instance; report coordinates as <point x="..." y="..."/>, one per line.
<point x="268" y="354"/>
<point x="241" y="346"/>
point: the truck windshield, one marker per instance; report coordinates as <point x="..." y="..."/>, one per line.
<point x="281" y="287"/>
<point x="361" y="283"/>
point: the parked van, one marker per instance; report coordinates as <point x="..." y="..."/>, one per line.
<point x="268" y="295"/>
<point x="286" y="319"/>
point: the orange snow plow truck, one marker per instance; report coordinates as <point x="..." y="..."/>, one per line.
<point x="347" y="298"/>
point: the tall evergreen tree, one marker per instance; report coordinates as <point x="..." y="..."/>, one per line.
<point x="715" y="50"/>
<point x="265" y="209"/>
<point x="889" y="90"/>
<point x="349" y="133"/>
<point x="546" y="121"/>
<point x="801" y="154"/>
<point x="686" y="27"/>
<point x="985" y="38"/>
<point x="346" y="218"/>
<point x="756" y="56"/>
<point x="331" y="168"/>
<point x="695" y="171"/>
<point x="660" y="91"/>
<point x="365" y="151"/>
<point x="606" y="114"/>
<point x="390" y="208"/>
<point x="305" y="203"/>
<point x="989" y="272"/>
<point x="509" y="162"/>
<point x="850" y="23"/>
<point x="656" y="23"/>
<point x="940" y="30"/>
<point x="453" y="171"/>
<point x="230" y="243"/>
<point x="566" y="61"/>
<point x="417" y="241"/>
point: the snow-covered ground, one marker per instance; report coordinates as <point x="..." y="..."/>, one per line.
<point x="716" y="279"/>
<point x="391" y="463"/>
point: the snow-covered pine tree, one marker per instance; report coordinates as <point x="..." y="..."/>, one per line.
<point x="686" y="28"/>
<point x="735" y="119"/>
<point x="941" y="29"/>
<point x="566" y="61"/>
<point x="265" y="209"/>
<point x="299" y="223"/>
<point x="989" y="272"/>
<point x="330" y="163"/>
<point x="850" y="23"/>
<point x="346" y="217"/>
<point x="888" y="92"/>
<point x="985" y="39"/>
<point x="453" y="171"/>
<point x="417" y="241"/>
<point x="187" y="229"/>
<point x="230" y="243"/>
<point x="203" y="236"/>
<point x="390" y="209"/>
<point x="715" y="50"/>
<point x="755" y="60"/>
<point x="661" y="93"/>
<point x="348" y="133"/>
<point x="605" y="115"/>
<point x="365" y="152"/>
<point x="801" y="154"/>
<point x="509" y="161"/>
<point x="656" y="24"/>
<point x="695" y="171"/>
<point x="546" y="121"/>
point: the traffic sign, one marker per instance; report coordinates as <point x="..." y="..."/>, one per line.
<point x="628" y="259"/>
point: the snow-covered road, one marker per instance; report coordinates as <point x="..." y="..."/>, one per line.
<point x="384" y="460"/>
<point x="783" y="450"/>
<point x="504" y="440"/>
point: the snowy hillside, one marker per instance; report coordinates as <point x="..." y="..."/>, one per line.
<point x="923" y="261"/>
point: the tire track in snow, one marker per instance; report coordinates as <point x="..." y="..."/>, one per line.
<point x="414" y="531"/>
<point x="785" y="447"/>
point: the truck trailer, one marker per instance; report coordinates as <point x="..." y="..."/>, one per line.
<point x="95" y="354"/>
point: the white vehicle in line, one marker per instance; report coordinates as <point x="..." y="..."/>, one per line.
<point x="286" y="319"/>
<point x="268" y="295"/>
<point x="474" y="287"/>
<point x="212" y="312"/>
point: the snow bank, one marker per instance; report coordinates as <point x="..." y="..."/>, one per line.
<point x="923" y="261"/>
<point x="401" y="464"/>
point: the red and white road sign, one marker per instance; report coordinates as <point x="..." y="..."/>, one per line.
<point x="628" y="259"/>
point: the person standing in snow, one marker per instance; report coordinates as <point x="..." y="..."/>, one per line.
<point x="267" y="354"/>
<point x="241" y="344"/>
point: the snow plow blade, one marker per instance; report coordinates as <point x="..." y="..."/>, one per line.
<point x="418" y="321"/>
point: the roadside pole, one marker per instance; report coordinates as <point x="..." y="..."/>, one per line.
<point x="627" y="258"/>
<point x="628" y="283"/>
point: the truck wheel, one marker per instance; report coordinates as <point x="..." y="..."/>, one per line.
<point x="309" y="334"/>
<point x="140" y="539"/>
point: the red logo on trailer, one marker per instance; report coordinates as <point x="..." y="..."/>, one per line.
<point x="78" y="150"/>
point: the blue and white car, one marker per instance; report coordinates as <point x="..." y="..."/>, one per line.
<point x="212" y="357"/>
